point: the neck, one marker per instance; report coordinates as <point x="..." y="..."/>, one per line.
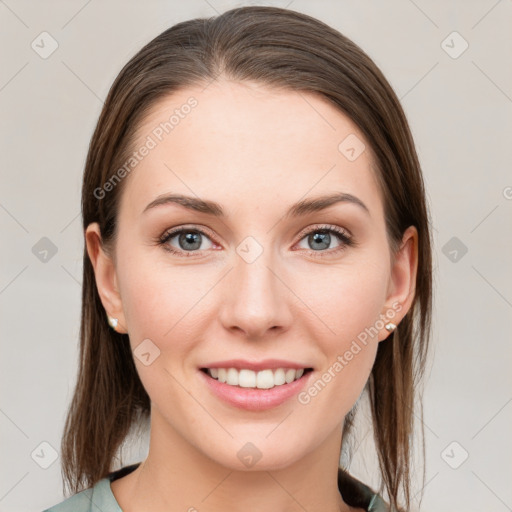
<point x="177" y="476"/>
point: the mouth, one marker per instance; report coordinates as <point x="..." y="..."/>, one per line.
<point x="263" y="379"/>
<point x="255" y="390"/>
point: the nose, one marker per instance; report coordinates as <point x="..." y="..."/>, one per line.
<point x="256" y="298"/>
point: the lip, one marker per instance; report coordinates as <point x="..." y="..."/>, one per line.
<point x="253" y="399"/>
<point x="271" y="364"/>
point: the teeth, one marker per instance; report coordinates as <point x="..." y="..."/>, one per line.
<point x="264" y="379"/>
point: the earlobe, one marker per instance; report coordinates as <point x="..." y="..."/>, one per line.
<point x="105" y="276"/>
<point x="402" y="283"/>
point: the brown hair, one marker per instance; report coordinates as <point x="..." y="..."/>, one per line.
<point x="279" y="48"/>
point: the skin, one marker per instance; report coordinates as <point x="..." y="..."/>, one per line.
<point x="256" y="151"/>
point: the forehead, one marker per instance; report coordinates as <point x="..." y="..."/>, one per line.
<point x="235" y="141"/>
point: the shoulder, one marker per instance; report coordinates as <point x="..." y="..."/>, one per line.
<point x="94" y="499"/>
<point x="98" y="498"/>
<point x="80" y="502"/>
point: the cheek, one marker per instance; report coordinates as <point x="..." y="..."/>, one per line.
<point x="347" y="305"/>
<point x="347" y="298"/>
<point x="347" y="302"/>
<point x="155" y="295"/>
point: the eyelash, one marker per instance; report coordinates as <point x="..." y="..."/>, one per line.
<point x="345" y="240"/>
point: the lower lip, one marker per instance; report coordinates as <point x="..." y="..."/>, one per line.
<point x="253" y="399"/>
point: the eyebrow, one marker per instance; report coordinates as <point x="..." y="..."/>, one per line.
<point x="299" y="209"/>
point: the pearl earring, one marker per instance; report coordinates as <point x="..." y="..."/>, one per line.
<point x="390" y="327"/>
<point x="112" y="322"/>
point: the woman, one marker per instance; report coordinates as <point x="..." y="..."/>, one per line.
<point x="257" y="257"/>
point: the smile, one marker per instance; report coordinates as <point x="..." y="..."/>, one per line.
<point x="247" y="393"/>
<point x="264" y="379"/>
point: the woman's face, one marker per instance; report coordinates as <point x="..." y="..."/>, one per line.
<point x="264" y="280"/>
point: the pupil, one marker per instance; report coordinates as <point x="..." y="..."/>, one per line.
<point x="321" y="238"/>
<point x="191" y="238"/>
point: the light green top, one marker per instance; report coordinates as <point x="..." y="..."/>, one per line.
<point x="96" y="499"/>
<point x="100" y="497"/>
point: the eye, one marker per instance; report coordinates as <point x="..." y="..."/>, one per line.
<point x="185" y="240"/>
<point x="188" y="242"/>
<point x="320" y="238"/>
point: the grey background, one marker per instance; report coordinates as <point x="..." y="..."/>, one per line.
<point x="460" y="114"/>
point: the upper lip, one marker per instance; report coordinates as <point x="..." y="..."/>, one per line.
<point x="241" y="364"/>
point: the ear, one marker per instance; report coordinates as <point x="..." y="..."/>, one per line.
<point x="402" y="281"/>
<point x="106" y="279"/>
